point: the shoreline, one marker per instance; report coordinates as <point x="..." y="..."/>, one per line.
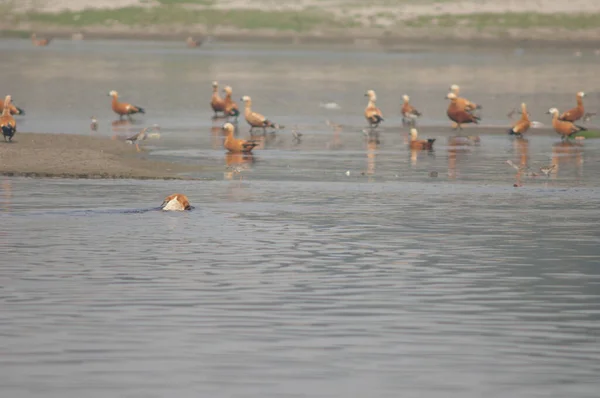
<point x="49" y="155"/>
<point x="373" y="38"/>
<point x="69" y="156"/>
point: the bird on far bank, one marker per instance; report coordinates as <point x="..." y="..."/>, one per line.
<point x="123" y="108"/>
<point x="372" y="112"/>
<point x="255" y="119"/>
<point x="458" y="114"/>
<point x="176" y="202"/>
<point x="39" y="42"/>
<point x="409" y="112"/>
<point x="523" y="124"/>
<point x="191" y="43"/>
<point x="415" y="143"/>
<point x="236" y="145"/>
<point x="564" y="128"/>
<point x="8" y="125"/>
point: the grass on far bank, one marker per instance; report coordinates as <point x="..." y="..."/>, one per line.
<point x="508" y="20"/>
<point x="175" y="15"/>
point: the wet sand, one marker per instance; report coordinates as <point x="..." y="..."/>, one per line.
<point x="78" y="156"/>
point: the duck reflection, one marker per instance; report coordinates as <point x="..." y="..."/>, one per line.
<point x="6" y="194"/>
<point x="459" y="145"/>
<point x="236" y="164"/>
<point x="372" y="145"/>
<point x="336" y="141"/>
<point x="566" y="153"/>
<point x="216" y="137"/>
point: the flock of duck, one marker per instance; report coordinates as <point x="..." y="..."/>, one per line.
<point x="460" y="111"/>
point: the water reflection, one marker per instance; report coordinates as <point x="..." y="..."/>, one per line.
<point x="567" y="153"/>
<point x="7" y="193"/>
<point x="372" y="145"/>
<point x="236" y="164"/>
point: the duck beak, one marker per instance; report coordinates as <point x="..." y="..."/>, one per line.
<point x="366" y="95"/>
<point x="547" y="112"/>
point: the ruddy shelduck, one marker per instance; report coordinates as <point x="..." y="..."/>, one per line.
<point x="572" y="115"/>
<point x="231" y="108"/>
<point x="123" y="108"/>
<point x="236" y="145"/>
<point x="416" y="143"/>
<point x="255" y="119"/>
<point x="191" y="43"/>
<point x="562" y="127"/>
<point x="458" y="114"/>
<point x="409" y="112"/>
<point x="14" y="110"/>
<point x="521" y="126"/>
<point x="463" y="102"/>
<point x="8" y="125"/>
<point x="216" y="102"/>
<point x="176" y="202"/>
<point x="372" y="113"/>
<point x="39" y="42"/>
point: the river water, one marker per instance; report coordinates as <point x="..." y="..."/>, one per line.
<point x="335" y="266"/>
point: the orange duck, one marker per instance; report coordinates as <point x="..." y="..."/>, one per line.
<point x="216" y="102"/>
<point x="236" y="145"/>
<point x="420" y="144"/>
<point x="521" y="127"/>
<point x="463" y="102"/>
<point x="39" y="42"/>
<point x="191" y="43"/>
<point x="14" y="110"/>
<point x="576" y="113"/>
<point x="372" y="113"/>
<point x="7" y="122"/>
<point x="256" y="119"/>
<point x="123" y="108"/>
<point x="176" y="202"/>
<point x="562" y="127"/>
<point x="409" y="112"/>
<point x="231" y="108"/>
<point x="458" y="114"/>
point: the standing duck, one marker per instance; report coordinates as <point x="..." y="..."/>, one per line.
<point x="521" y="126"/>
<point x="176" y="202"/>
<point x="14" y="110"/>
<point x="191" y="43"/>
<point x="94" y="124"/>
<point x="465" y="103"/>
<point x="562" y="127"/>
<point x="216" y="102"/>
<point x="231" y="108"/>
<point x="458" y="114"/>
<point x="236" y="145"/>
<point x="123" y="108"/>
<point x="7" y="122"/>
<point x="256" y="119"/>
<point x="372" y="113"/>
<point x="39" y="42"/>
<point x="415" y="143"/>
<point x="409" y="112"/>
<point x="572" y="115"/>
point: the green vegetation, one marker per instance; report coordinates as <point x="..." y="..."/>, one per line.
<point x="192" y="2"/>
<point x="509" y="20"/>
<point x="171" y="15"/>
<point x="589" y="134"/>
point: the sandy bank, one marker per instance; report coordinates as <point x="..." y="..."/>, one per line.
<point x="74" y="156"/>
